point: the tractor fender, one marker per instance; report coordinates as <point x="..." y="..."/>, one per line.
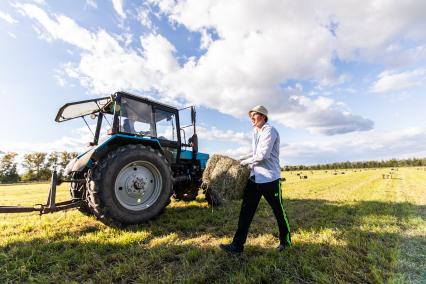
<point x="81" y="161"/>
<point x="87" y="159"/>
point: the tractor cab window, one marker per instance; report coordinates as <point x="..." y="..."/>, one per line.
<point x="166" y="125"/>
<point x="136" y="117"/>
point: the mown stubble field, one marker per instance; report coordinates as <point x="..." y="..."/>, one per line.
<point x="355" y="227"/>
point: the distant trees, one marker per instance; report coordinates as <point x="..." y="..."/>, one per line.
<point x="38" y="165"/>
<point x="392" y="163"/>
<point x="8" y="168"/>
<point x="64" y="159"/>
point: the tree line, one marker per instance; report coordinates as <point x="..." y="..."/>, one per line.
<point x="392" y="163"/>
<point x="37" y="166"/>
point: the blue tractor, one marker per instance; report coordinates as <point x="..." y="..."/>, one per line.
<point x="143" y="160"/>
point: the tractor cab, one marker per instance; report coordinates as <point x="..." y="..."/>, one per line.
<point x="134" y="117"/>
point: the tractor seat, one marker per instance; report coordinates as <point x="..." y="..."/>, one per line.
<point x="128" y="126"/>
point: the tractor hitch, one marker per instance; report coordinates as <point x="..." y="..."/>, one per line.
<point x="51" y="205"/>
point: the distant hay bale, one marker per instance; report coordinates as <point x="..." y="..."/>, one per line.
<point x="224" y="179"/>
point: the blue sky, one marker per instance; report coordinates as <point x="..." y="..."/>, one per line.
<point x="342" y="81"/>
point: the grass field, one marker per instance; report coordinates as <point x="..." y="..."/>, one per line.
<point x="355" y="227"/>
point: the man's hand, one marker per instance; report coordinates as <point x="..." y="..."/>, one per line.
<point x="247" y="162"/>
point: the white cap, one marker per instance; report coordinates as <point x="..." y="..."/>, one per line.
<point x="260" y="109"/>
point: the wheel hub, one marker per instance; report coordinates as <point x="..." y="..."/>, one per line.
<point x="135" y="185"/>
<point x="138" y="185"/>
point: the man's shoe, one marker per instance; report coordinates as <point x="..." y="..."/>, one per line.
<point x="231" y="248"/>
<point x="281" y="247"/>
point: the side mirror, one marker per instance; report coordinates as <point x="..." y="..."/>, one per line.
<point x="193" y="115"/>
<point x="194" y="143"/>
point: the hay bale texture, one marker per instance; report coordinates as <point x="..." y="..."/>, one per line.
<point x="224" y="179"/>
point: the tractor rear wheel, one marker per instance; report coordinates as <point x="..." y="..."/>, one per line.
<point x="131" y="185"/>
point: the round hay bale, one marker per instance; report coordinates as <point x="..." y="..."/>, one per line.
<point x="224" y="179"/>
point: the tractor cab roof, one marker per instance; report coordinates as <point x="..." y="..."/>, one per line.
<point x="81" y="108"/>
<point x="106" y="104"/>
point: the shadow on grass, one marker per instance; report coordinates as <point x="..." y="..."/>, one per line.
<point x="359" y="256"/>
<point x="44" y="261"/>
<point x="303" y="214"/>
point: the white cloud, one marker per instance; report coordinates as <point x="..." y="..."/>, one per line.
<point x="250" y="59"/>
<point x="320" y="115"/>
<point x="12" y="35"/>
<point x="215" y="134"/>
<point x="8" y="18"/>
<point x="76" y="142"/>
<point x="395" y="56"/>
<point x="40" y="2"/>
<point x="105" y="65"/>
<point x="358" y="146"/>
<point x="109" y="67"/>
<point x="158" y="52"/>
<point x="255" y="49"/>
<point x="59" y="78"/>
<point x="91" y="4"/>
<point x="143" y="17"/>
<point x="370" y="145"/>
<point x="60" y="27"/>
<point x="390" y="81"/>
<point x="206" y="39"/>
<point x="382" y="22"/>
<point x="118" y="7"/>
<point x="125" y="38"/>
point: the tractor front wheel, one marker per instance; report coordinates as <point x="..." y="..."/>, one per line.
<point x="131" y="185"/>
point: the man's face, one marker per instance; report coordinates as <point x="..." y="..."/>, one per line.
<point x="257" y="119"/>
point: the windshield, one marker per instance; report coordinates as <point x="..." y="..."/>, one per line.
<point x="78" y="109"/>
<point x="137" y="117"/>
<point x="165" y="122"/>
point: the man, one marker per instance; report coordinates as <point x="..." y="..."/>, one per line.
<point x="264" y="181"/>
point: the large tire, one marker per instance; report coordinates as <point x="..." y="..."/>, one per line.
<point x="84" y="207"/>
<point x="77" y="191"/>
<point x="133" y="184"/>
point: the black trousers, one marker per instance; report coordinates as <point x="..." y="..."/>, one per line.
<point x="252" y="194"/>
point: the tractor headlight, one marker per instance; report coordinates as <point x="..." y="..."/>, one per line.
<point x="69" y="166"/>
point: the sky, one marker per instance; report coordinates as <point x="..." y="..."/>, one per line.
<point x="342" y="80"/>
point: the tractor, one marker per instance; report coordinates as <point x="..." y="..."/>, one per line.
<point x="144" y="160"/>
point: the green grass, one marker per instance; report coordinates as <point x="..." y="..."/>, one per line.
<point x="355" y="227"/>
